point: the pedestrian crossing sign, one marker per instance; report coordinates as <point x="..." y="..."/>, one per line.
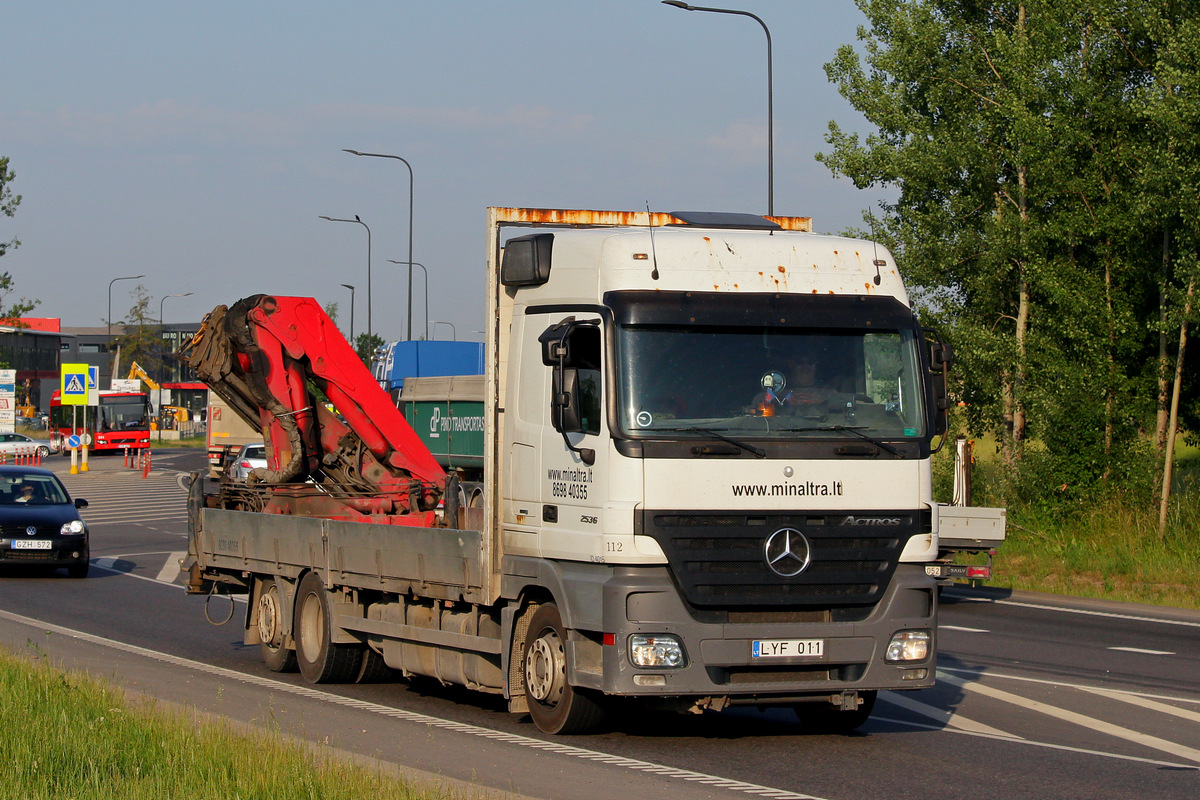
<point x="73" y="388"/>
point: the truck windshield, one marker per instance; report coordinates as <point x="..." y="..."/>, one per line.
<point x="769" y="382"/>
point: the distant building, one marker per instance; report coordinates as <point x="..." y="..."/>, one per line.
<point x="33" y="352"/>
<point x="93" y="346"/>
<point x="39" y="347"/>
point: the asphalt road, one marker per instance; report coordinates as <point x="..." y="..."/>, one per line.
<point x="1038" y="696"/>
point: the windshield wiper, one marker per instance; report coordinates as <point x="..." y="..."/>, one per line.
<point x="760" y="453"/>
<point x="857" y="430"/>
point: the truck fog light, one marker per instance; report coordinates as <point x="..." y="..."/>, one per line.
<point x="914" y="674"/>
<point x="649" y="680"/>
<point x="656" y="650"/>
<point x="908" y="646"/>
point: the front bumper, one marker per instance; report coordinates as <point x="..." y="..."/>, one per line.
<point x="719" y="644"/>
<point x="62" y="551"/>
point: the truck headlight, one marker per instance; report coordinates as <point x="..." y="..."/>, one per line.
<point x="908" y="646"/>
<point x="659" y="650"/>
<point x="72" y="528"/>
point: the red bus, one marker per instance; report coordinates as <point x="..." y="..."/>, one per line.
<point x="122" y="420"/>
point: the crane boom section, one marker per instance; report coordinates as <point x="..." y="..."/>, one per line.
<point x="271" y="357"/>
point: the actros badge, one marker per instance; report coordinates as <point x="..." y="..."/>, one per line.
<point x="787" y="552"/>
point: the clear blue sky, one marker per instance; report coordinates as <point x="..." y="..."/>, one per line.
<point x="198" y="142"/>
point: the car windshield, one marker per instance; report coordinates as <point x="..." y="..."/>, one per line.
<point x="255" y="451"/>
<point x="764" y="382"/>
<point x="31" y="489"/>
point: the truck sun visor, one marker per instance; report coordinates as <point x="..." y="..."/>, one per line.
<point x="774" y="310"/>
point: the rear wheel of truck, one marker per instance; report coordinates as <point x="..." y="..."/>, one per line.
<point x="319" y="659"/>
<point x="825" y="718"/>
<point x="275" y="654"/>
<point x="554" y="705"/>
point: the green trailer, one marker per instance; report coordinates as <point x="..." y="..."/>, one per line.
<point x="447" y="413"/>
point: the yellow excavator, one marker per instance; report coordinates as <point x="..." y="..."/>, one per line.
<point x="135" y="371"/>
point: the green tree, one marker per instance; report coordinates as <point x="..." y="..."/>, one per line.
<point x="1009" y="130"/>
<point x="366" y="345"/>
<point x="141" y="340"/>
<point x="10" y="314"/>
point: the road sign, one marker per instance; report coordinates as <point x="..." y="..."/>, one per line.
<point x="8" y="400"/>
<point x="93" y="385"/>
<point x="73" y="442"/>
<point x="72" y="389"/>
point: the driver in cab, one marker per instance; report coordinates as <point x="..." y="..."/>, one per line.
<point x="793" y="387"/>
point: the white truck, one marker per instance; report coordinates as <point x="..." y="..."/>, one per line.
<point x="225" y="433"/>
<point x="671" y="508"/>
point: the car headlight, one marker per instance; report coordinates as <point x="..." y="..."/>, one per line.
<point x="659" y="650"/>
<point x="908" y="646"/>
<point x="73" y="528"/>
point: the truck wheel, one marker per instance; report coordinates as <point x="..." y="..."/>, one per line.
<point x="275" y="654"/>
<point x="554" y="705"/>
<point x="319" y="659"/>
<point x="823" y="718"/>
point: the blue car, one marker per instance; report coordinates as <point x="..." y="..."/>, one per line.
<point x="40" y="523"/>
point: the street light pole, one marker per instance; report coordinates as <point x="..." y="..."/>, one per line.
<point x="113" y="365"/>
<point x="410" y="228"/>
<point x="770" y="93"/>
<point x="412" y="264"/>
<point x="162" y="359"/>
<point x="453" y="330"/>
<point x="370" y="329"/>
<point x="110" y="283"/>
<point x="351" y="288"/>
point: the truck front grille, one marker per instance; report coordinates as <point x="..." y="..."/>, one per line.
<point x="720" y="560"/>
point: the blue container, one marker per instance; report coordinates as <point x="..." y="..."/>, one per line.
<point x="425" y="359"/>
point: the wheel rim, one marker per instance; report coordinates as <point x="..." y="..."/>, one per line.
<point x="546" y="668"/>
<point x="268" y="617"/>
<point x="312" y="627"/>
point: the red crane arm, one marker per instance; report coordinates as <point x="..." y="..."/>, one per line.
<point x="265" y="355"/>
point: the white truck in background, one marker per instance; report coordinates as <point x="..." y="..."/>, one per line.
<point x="666" y="507"/>
<point x="225" y="433"/>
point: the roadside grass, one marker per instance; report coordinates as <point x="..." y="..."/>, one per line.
<point x="69" y="736"/>
<point x="1107" y="547"/>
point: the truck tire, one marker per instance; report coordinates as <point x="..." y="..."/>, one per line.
<point x="275" y="654"/>
<point x="319" y="659"/>
<point x="373" y="668"/>
<point x="824" y="718"/>
<point x="554" y="705"/>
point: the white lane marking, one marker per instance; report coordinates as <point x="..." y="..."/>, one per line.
<point x="170" y="570"/>
<point x="1045" y="745"/>
<point x="1152" y="705"/>
<point x="1146" y="740"/>
<point x="960" y="628"/>
<point x="1083" y="611"/>
<point x="946" y="717"/>
<point x="1143" y="652"/>
<point x="974" y="673"/>
<point x="423" y="719"/>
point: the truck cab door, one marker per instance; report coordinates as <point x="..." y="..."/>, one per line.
<point x="574" y="441"/>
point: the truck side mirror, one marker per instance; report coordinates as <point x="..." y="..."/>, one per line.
<point x="526" y="260"/>
<point x="564" y="405"/>
<point x="940" y="359"/>
<point x="568" y="347"/>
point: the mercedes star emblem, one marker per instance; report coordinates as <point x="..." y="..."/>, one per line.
<point x="787" y="552"/>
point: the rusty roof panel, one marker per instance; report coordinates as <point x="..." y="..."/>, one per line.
<point x="588" y="217"/>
